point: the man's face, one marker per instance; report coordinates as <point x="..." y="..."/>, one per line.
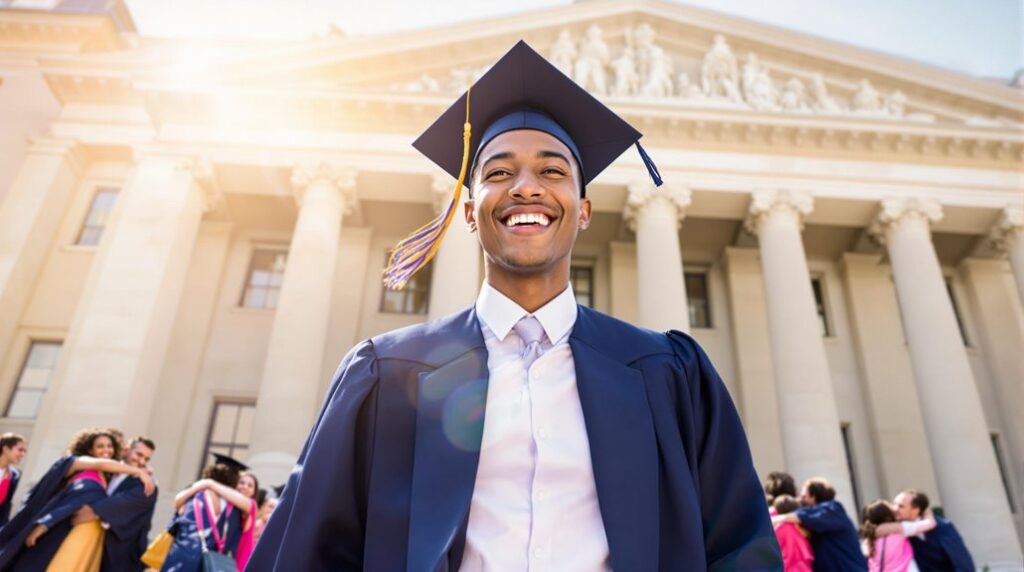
<point x="138" y="456"/>
<point x="905" y="510"/>
<point x="16" y="453"/>
<point x="526" y="203"/>
<point x="805" y="497"/>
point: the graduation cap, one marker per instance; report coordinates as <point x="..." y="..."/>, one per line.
<point x="278" y="491"/>
<point x="521" y="91"/>
<point x="230" y="462"/>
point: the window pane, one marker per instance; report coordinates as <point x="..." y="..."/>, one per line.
<point x="271" y="301"/>
<point x="225" y="417"/>
<point x="43" y="355"/>
<point x="819" y="302"/>
<point x="34" y="378"/>
<point x="245" y="416"/>
<point x="259" y="278"/>
<point x="90" y="237"/>
<point x="229" y="434"/>
<point x="266" y="272"/>
<point x="414" y="298"/>
<point x="96" y="220"/>
<point x="582" y="280"/>
<point x="698" y="305"/>
<point x="25" y="404"/>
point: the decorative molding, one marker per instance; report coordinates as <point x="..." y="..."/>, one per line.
<point x="71" y="149"/>
<point x="1009" y="230"/>
<point x="201" y="169"/>
<point x="341" y="178"/>
<point x="644" y="194"/>
<point x="767" y="201"/>
<point x="895" y="211"/>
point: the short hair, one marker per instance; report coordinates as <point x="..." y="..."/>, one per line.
<point x="143" y="440"/>
<point x="223" y="474"/>
<point x="820" y="489"/>
<point x="918" y="499"/>
<point x="8" y="440"/>
<point x="784" y="504"/>
<point x="81" y="444"/>
<point x="779" y="483"/>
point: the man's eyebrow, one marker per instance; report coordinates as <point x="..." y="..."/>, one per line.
<point x="498" y="157"/>
<point x="553" y="155"/>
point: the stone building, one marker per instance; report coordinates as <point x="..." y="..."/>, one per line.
<point x="192" y="235"/>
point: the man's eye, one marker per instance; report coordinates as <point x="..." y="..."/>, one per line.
<point x="553" y="171"/>
<point x="497" y="173"/>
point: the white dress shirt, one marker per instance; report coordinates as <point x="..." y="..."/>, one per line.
<point x="534" y="504"/>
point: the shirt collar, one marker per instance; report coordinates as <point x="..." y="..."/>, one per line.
<point x="499" y="313"/>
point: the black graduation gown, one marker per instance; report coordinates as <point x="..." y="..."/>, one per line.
<point x="942" y="550"/>
<point x="385" y="479"/>
<point x="51" y="502"/>
<point x="186" y="554"/>
<point x="128" y="512"/>
<point x="5" y="507"/>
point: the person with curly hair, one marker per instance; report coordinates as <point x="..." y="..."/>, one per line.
<point x="41" y="535"/>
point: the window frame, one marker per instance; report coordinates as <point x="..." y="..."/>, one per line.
<point x="586" y="265"/>
<point x="709" y="313"/>
<point x="821" y="307"/>
<point x="85" y="226"/>
<point x="16" y="386"/>
<point x="846" y="433"/>
<point x="247" y="277"/>
<point x="212" y="418"/>
<point x="426" y="274"/>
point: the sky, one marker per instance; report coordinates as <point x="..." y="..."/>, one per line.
<point x="978" y="37"/>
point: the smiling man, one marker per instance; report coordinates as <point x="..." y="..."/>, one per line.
<point x="526" y="432"/>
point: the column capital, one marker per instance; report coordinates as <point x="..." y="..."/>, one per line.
<point x="305" y="175"/>
<point x="643" y="194"/>
<point x="895" y="211"/>
<point x="767" y="201"/>
<point x="1008" y="229"/>
<point x="201" y="169"/>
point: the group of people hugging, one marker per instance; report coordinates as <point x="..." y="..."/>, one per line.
<point x="904" y="535"/>
<point x="92" y="510"/>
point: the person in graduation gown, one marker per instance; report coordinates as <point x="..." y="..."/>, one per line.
<point x="941" y="549"/>
<point x="126" y="513"/>
<point x="834" y="538"/>
<point x="12" y="451"/>
<point x="41" y="536"/>
<point x="425" y="456"/>
<point x="214" y="505"/>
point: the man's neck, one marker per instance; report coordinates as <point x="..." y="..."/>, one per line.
<point x="532" y="292"/>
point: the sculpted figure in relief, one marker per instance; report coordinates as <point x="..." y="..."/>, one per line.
<point x="641" y="39"/>
<point x="590" y="66"/>
<point x="794" y="96"/>
<point x="820" y="99"/>
<point x="757" y="85"/>
<point x="867" y="99"/>
<point x="895" y="103"/>
<point x="627" y="81"/>
<point x="563" y="53"/>
<point x="719" y="75"/>
<point x="686" y="88"/>
<point x="659" y="74"/>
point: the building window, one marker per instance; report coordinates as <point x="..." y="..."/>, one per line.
<point x="1001" y="461"/>
<point x="99" y="212"/>
<point x="851" y="467"/>
<point x="266" y="273"/>
<point x="581" y="277"/>
<point x="36" y="373"/>
<point x="229" y="431"/>
<point x="697" y="299"/>
<point x="819" y="304"/>
<point x="414" y="298"/>
<point x="956" y="312"/>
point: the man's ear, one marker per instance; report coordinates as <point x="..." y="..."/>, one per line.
<point x="585" y="207"/>
<point x="470" y="217"/>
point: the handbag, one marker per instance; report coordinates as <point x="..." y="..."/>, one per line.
<point x="213" y="561"/>
<point x="157" y="550"/>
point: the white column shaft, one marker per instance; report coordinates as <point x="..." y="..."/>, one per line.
<point x="1015" y="249"/>
<point x="957" y="432"/>
<point x="807" y="404"/>
<point x="661" y="288"/>
<point x="456" y="279"/>
<point x="289" y="390"/>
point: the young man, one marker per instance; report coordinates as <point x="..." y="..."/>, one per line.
<point x="940" y="549"/>
<point x="12" y="451"/>
<point x="126" y="513"/>
<point x="525" y="432"/>
<point x="834" y="538"/>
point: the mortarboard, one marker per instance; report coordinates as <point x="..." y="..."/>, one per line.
<point x="278" y="491"/>
<point x="230" y="461"/>
<point x="521" y="91"/>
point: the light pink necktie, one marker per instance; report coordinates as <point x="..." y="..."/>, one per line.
<point x="532" y="334"/>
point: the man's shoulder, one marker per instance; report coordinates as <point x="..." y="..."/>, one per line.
<point x="433" y="342"/>
<point x="625" y="341"/>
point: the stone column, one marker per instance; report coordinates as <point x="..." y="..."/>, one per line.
<point x="30" y="215"/>
<point x="289" y="391"/>
<point x="655" y="215"/>
<point x="965" y="464"/>
<point x="456" y="277"/>
<point x="1008" y="237"/>
<point x="114" y="353"/>
<point x="811" y="437"/>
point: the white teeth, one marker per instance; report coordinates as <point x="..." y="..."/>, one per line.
<point x="528" y="218"/>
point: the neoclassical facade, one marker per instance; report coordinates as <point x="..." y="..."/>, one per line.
<point x="192" y="235"/>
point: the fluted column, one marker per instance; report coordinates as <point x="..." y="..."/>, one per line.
<point x="114" y="353"/>
<point x="289" y="390"/>
<point x="1008" y="236"/>
<point x="30" y="214"/>
<point x="811" y="437"/>
<point x="456" y="278"/>
<point x="965" y="464"/>
<point x="655" y="215"/>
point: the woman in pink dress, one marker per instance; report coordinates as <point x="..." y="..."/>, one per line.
<point x="247" y="485"/>
<point x="885" y="539"/>
<point x="796" y="549"/>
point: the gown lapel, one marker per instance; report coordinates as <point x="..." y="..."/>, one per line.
<point x="623" y="446"/>
<point x="449" y="429"/>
